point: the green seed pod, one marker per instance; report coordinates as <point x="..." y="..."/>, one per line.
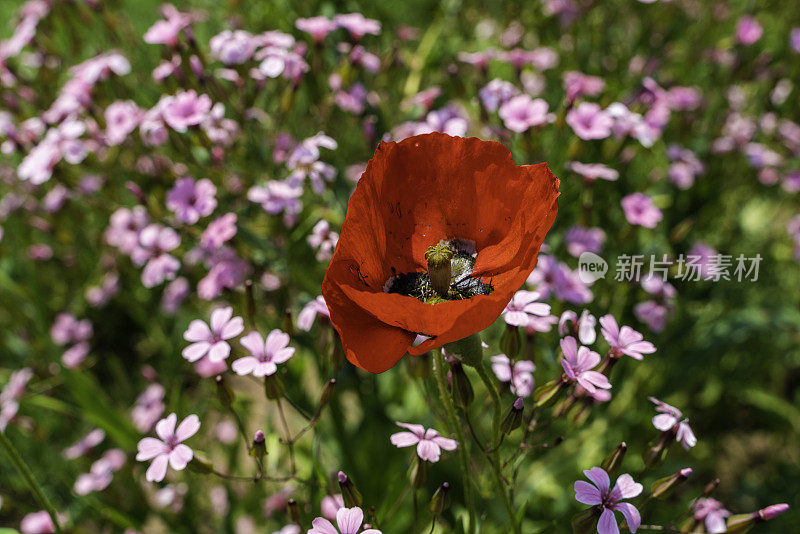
<point x="441" y="499"/>
<point x="612" y="462"/>
<point x="461" y="387"/>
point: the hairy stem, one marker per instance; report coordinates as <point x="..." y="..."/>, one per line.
<point x="447" y="402"/>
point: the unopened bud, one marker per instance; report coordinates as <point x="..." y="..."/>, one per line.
<point x="710" y="487"/>
<point x="462" y="389"/>
<point x="511" y="341"/>
<point x="663" y="487"/>
<point x="421" y="366"/>
<point x="439" y="269"/>
<point x="772" y="511"/>
<point x="224" y="393"/>
<point x="419" y="473"/>
<point x="583" y="522"/>
<point x="441" y="499"/>
<point x="273" y="387"/>
<point x="259" y="449"/>
<point x="287" y="325"/>
<point x="294" y="511"/>
<point x="513" y="418"/>
<point x="327" y="393"/>
<point x="350" y="493"/>
<point x="658" y="451"/>
<point x="547" y="393"/>
<point x="612" y="462"/>
<point x="201" y="464"/>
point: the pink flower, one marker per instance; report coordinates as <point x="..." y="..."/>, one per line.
<point x="323" y="239"/>
<point x="212" y="341"/>
<point x="169" y="449"/>
<point x="166" y="31"/>
<point x="37" y="523"/>
<point x="589" y="121"/>
<point x="358" y="25"/>
<point x="155" y="243"/>
<point x="519" y="374"/>
<point x="190" y="199"/>
<point x="624" y="340"/>
<point x="429" y="443"/>
<point x="149" y="407"/>
<point x="85" y="444"/>
<point x="748" y="30"/>
<point x="122" y="117"/>
<point x="599" y="493"/>
<point x="232" y="47"/>
<point x="578" y="362"/>
<point x="276" y="197"/>
<point x="523" y="305"/>
<point x="496" y="93"/>
<point x="593" y="171"/>
<point x="584" y="325"/>
<point x="348" y="520"/>
<point x="521" y="113"/>
<point x="578" y="84"/>
<point x="794" y="39"/>
<point x="330" y="505"/>
<point x="317" y="27"/>
<point x="185" y="109"/>
<point x="265" y="355"/>
<point x="219" y="231"/>
<point x="9" y="397"/>
<point x="640" y="210"/>
<point x="712" y="514"/>
<point x="67" y="329"/>
<point x="310" y="311"/>
<point x="580" y="239"/>
<point x="101" y="473"/>
<point x="669" y="418"/>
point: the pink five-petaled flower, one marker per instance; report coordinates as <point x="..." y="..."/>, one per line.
<point x="669" y="418"/>
<point x="578" y="363"/>
<point x="589" y="121"/>
<point x="429" y="443"/>
<point x="600" y="493"/>
<point x="640" y="210"/>
<point x="190" y="199"/>
<point x="265" y="355"/>
<point x="212" y="341"/>
<point x="169" y="448"/>
<point x="624" y="340"/>
<point x="523" y="304"/>
<point x="349" y="521"/>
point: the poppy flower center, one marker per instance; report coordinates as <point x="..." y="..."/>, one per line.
<point x="449" y="276"/>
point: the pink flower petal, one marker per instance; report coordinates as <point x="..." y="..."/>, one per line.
<point x="188" y="428"/>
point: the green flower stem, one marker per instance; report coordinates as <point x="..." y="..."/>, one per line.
<point x="447" y="402"/>
<point x="26" y="473"/>
<point x="497" y="403"/>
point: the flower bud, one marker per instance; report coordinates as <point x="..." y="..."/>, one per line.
<point x="350" y="493"/>
<point x="419" y="473"/>
<point x="461" y="387"/>
<point x="439" y="269"/>
<point x="772" y="511"/>
<point x="294" y="511"/>
<point x="201" y="464"/>
<point x="658" y="451"/>
<point x="513" y="418"/>
<point x="583" y="522"/>
<point x="259" y="448"/>
<point x="327" y="393"/>
<point x="224" y="393"/>
<point x="468" y="350"/>
<point x="663" y="487"/>
<point x="546" y="394"/>
<point x="441" y="499"/>
<point x="421" y="366"/>
<point x="287" y="324"/>
<point x="511" y="341"/>
<point x="612" y="462"/>
<point x="273" y="387"/>
<point x="710" y="487"/>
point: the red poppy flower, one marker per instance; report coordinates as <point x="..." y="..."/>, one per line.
<point x="414" y="194"/>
